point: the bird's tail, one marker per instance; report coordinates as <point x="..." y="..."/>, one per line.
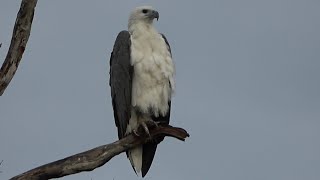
<point x="141" y="157"/>
<point x="149" y="150"/>
<point x="135" y="157"/>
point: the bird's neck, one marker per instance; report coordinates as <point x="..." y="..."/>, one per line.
<point x="141" y="28"/>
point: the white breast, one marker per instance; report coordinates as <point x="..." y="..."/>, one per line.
<point x="153" y="82"/>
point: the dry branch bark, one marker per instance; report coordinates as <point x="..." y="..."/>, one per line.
<point x="94" y="158"/>
<point x="20" y="36"/>
<point x="1" y="160"/>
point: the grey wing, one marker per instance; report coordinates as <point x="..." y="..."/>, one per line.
<point x="121" y="81"/>
<point x="168" y="45"/>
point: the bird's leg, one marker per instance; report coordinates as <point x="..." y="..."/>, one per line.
<point x="145" y="122"/>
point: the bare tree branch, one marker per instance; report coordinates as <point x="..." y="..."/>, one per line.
<point x="0" y="164"/>
<point x="94" y="158"/>
<point x="20" y="36"/>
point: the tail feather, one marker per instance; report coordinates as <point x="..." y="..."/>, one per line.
<point x="141" y="157"/>
<point x="135" y="157"/>
<point x="149" y="150"/>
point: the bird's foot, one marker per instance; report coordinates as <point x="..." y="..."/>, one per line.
<point x="135" y="132"/>
<point x="145" y="124"/>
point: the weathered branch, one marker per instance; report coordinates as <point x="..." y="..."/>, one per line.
<point x="1" y="160"/>
<point x="20" y="36"/>
<point x="94" y="158"/>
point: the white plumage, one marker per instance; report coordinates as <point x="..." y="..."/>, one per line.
<point x="142" y="83"/>
<point x="153" y="77"/>
<point x="153" y="70"/>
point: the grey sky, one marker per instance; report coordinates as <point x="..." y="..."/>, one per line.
<point x="248" y="88"/>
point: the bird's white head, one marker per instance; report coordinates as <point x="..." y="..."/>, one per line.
<point x="143" y="14"/>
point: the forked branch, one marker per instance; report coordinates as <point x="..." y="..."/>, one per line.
<point x="94" y="158"/>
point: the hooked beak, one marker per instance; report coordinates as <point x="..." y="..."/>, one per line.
<point x="155" y="15"/>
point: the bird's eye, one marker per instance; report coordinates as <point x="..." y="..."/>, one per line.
<point x="144" y="11"/>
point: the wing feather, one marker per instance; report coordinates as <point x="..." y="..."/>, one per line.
<point x="121" y="81"/>
<point x="168" y="45"/>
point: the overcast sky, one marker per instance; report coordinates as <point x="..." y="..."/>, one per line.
<point x="248" y="88"/>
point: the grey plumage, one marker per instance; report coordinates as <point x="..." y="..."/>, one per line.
<point x="121" y="81"/>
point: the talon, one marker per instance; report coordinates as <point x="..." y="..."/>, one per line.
<point x="145" y="127"/>
<point x="146" y="123"/>
<point x="156" y="124"/>
<point x="136" y="133"/>
<point x="161" y="122"/>
<point x="153" y="123"/>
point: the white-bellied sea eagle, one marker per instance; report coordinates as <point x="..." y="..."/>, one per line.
<point x="142" y="82"/>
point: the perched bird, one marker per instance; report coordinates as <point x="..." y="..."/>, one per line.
<point x="142" y="82"/>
